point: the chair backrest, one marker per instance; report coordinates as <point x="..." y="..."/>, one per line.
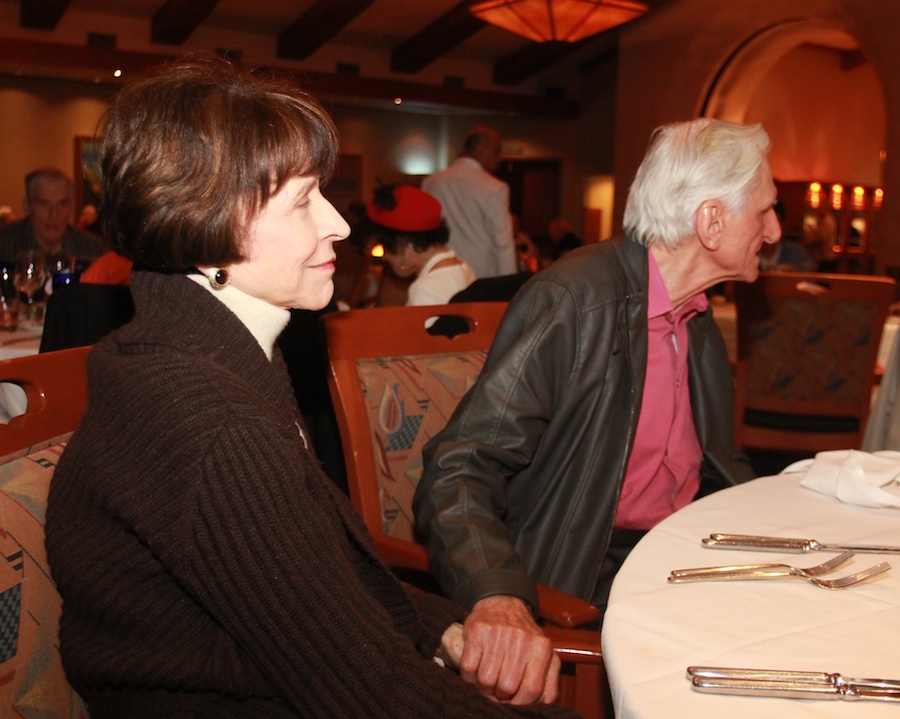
<point x="492" y="289"/>
<point x="394" y="386"/>
<point x="30" y="446"/>
<point x="807" y="347"/>
<point x="81" y="314"/>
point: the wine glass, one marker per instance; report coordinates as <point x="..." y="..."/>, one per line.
<point x="9" y="298"/>
<point x="30" y="274"/>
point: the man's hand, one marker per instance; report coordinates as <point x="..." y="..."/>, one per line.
<point x="506" y="655"/>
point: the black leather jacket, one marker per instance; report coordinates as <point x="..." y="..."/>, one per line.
<point x="523" y="483"/>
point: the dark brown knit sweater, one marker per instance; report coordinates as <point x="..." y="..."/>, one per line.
<point x="207" y="566"/>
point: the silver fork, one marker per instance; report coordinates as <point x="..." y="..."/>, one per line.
<point x="839" y="583"/>
<point x="787" y="569"/>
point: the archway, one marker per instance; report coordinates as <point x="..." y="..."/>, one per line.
<point x="823" y="106"/>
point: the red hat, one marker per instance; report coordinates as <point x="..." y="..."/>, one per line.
<point x="404" y="208"/>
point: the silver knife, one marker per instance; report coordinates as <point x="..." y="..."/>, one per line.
<point x="789" y="544"/>
<point x="789" y="675"/>
<point x="792" y="690"/>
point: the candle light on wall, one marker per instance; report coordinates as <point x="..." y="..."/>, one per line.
<point x="837" y="196"/>
<point x="814" y="195"/>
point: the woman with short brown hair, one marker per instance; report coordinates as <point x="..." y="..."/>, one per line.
<point x="207" y="566"/>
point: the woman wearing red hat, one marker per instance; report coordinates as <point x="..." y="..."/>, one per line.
<point x="407" y="223"/>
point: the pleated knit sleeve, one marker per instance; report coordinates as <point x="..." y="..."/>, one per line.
<point x="279" y="562"/>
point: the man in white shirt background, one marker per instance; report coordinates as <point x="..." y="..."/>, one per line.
<point x="476" y="205"/>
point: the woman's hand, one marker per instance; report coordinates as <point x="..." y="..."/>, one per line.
<point x="452" y="643"/>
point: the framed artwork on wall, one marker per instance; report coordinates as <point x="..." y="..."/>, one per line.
<point x="87" y="172"/>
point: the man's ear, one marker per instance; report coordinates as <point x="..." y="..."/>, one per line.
<point x="710" y="224"/>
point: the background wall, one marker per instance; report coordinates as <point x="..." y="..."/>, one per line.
<point x="831" y="117"/>
<point x="670" y="64"/>
<point x="39" y="120"/>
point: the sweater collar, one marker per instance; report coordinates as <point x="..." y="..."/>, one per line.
<point x="265" y="321"/>
<point x="173" y="312"/>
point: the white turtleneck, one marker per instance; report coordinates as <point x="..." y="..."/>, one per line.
<point x="265" y="321"/>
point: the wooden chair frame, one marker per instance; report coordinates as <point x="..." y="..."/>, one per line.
<point x="818" y="290"/>
<point x="386" y="332"/>
<point x="55" y="384"/>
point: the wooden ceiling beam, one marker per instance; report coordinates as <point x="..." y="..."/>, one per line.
<point x="436" y="39"/>
<point x="336" y="86"/>
<point x="30" y="57"/>
<point x="530" y="60"/>
<point x="42" y="14"/>
<point x="321" y="21"/>
<point x="175" y="20"/>
<point x="45" y="57"/>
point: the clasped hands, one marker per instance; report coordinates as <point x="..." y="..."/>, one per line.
<point x="502" y="651"/>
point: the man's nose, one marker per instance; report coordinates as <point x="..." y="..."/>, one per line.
<point x="774" y="233"/>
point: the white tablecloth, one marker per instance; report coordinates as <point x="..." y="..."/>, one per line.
<point x="654" y="630"/>
<point x="26" y="340"/>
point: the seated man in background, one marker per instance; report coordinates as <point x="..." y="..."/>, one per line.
<point x="605" y="404"/>
<point x="49" y="207"/>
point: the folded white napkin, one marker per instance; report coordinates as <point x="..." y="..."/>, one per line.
<point x="868" y="479"/>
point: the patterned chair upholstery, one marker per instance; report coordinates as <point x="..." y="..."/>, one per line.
<point x="32" y="682"/>
<point x="807" y="346"/>
<point x="408" y="400"/>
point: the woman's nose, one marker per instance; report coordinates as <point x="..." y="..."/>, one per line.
<point x="332" y="222"/>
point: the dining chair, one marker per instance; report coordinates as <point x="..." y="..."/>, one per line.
<point x="806" y="350"/>
<point x="34" y="683"/>
<point x="80" y="314"/>
<point x="394" y="386"/>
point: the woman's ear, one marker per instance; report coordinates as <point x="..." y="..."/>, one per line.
<point x="710" y="224"/>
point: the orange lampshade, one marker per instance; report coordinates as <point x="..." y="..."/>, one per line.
<point x="565" y="20"/>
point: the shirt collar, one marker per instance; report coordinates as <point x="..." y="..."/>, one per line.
<point x="658" y="301"/>
<point x="469" y="161"/>
<point x="432" y="261"/>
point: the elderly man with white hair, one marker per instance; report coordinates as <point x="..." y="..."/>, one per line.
<point x="605" y="404"/>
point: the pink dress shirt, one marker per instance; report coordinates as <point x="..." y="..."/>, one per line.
<point x="663" y="472"/>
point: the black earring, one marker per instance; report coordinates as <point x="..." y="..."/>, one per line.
<point x="219" y="279"/>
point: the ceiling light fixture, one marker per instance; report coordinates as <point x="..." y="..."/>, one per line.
<point x="560" y="20"/>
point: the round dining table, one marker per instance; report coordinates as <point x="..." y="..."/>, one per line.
<point x="654" y="630"/>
